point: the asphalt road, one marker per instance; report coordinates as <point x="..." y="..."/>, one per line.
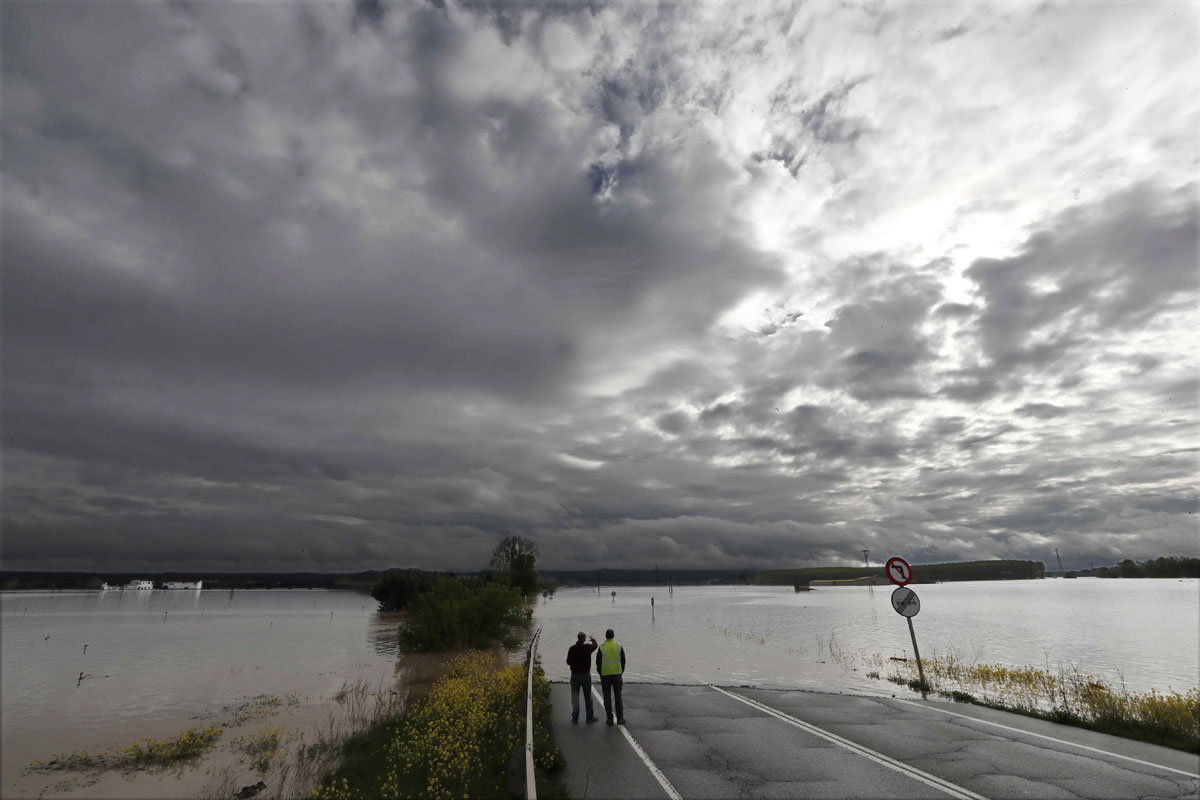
<point x="709" y="742"/>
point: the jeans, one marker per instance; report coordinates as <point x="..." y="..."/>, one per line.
<point x="611" y="684"/>
<point x="581" y="682"/>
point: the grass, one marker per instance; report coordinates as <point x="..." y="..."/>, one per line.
<point x="293" y="765"/>
<point x="296" y="766"/>
<point x="456" y="742"/>
<point x="261" y="747"/>
<point x="184" y="748"/>
<point x="1066" y="696"/>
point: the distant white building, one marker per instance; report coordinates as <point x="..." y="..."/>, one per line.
<point x="139" y="586"/>
<point x="183" y="585"/>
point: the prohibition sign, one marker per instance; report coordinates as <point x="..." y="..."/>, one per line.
<point x="898" y="571"/>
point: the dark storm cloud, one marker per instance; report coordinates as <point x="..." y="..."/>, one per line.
<point x="878" y="342"/>
<point x="267" y="286"/>
<point x="369" y="12"/>
<point x="348" y="286"/>
<point x="1042" y="410"/>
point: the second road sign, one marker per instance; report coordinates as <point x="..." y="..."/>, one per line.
<point x="905" y="601"/>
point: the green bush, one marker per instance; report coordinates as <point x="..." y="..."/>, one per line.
<point x="454" y="616"/>
<point x="396" y="590"/>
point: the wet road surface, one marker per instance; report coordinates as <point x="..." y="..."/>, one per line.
<point x="718" y="742"/>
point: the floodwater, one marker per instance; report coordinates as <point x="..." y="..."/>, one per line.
<point x="155" y="660"/>
<point x="1140" y="633"/>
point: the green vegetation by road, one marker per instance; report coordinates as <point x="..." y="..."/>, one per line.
<point x="1166" y="718"/>
<point x="922" y="573"/>
<point x="457" y="743"/>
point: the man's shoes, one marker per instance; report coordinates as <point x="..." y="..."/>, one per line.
<point x="620" y="722"/>
<point x="575" y="719"/>
<point x="593" y="719"/>
<point x="608" y="722"/>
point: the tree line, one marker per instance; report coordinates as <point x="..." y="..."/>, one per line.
<point x="1162" y="567"/>
<point x="997" y="570"/>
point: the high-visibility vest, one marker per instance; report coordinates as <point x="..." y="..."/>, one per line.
<point x="610" y="658"/>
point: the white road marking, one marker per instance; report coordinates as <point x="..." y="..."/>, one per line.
<point x="1051" y="738"/>
<point x="924" y="777"/>
<point x="637" y="748"/>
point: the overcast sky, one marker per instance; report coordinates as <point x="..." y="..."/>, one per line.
<point x="342" y="286"/>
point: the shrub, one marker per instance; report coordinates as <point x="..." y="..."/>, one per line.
<point x="397" y="590"/>
<point x="455" y="616"/>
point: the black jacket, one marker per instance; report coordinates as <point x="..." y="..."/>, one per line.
<point x="578" y="657"/>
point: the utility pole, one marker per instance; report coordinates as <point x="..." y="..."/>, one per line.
<point x="866" y="561"/>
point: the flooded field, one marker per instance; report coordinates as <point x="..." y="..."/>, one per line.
<point x="1137" y="632"/>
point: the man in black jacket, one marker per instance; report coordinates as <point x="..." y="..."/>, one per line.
<point x="579" y="656"/>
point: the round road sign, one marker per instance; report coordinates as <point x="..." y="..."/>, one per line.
<point x="898" y="571"/>
<point x="905" y="601"/>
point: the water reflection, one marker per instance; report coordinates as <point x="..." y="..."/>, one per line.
<point x="383" y="629"/>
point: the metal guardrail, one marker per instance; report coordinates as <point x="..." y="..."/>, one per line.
<point x="530" y="782"/>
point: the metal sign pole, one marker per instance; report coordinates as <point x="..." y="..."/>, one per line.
<point x="907" y="604"/>
<point x="917" y="653"/>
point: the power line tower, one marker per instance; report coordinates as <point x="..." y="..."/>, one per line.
<point x="866" y="561"/>
<point x="1058" y="558"/>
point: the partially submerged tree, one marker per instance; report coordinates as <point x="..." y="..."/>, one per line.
<point x="515" y="558"/>
<point x="395" y="590"/>
<point x="454" y="615"/>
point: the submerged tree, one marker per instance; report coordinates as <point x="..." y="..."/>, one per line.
<point x="456" y="615"/>
<point x="515" y="558"/>
<point x="395" y="590"/>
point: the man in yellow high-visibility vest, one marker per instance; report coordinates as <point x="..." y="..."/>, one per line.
<point x="610" y="663"/>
